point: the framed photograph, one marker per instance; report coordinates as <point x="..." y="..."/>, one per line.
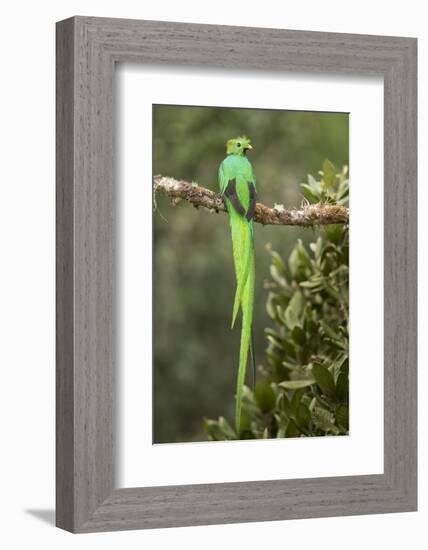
<point x="236" y="274"/>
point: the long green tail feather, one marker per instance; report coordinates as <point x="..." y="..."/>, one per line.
<point x="243" y="258"/>
<point x="243" y="255"/>
<point x="247" y="319"/>
<point x="253" y="357"/>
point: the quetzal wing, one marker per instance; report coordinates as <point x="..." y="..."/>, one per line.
<point x="231" y="194"/>
<point x="252" y="201"/>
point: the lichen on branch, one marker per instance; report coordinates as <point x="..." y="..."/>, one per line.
<point x="307" y="215"/>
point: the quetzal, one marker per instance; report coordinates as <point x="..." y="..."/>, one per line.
<point x="238" y="187"/>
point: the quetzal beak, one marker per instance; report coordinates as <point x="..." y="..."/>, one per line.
<point x="248" y="147"/>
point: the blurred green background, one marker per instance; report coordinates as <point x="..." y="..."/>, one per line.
<point x="195" y="351"/>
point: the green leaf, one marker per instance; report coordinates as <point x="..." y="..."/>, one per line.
<point x="329" y="171"/>
<point x="281" y="431"/>
<point x="273" y="357"/>
<point x="334" y="232"/>
<point x="342" y="416"/>
<point x="273" y="334"/>
<point x="298" y="335"/>
<point x="342" y="387"/>
<point x="328" y="330"/>
<point x="315" y="285"/>
<point x="264" y="395"/>
<point x="278" y="276"/>
<point x="311" y="326"/>
<point x="292" y="429"/>
<point x="343" y="191"/>
<point x="226" y="428"/>
<point x="284" y="405"/>
<point x="289" y="348"/>
<point x="296" y="384"/>
<point x="212" y="428"/>
<point x="271" y="305"/>
<point x="324" y="379"/>
<point x="316" y="247"/>
<point x="312" y="404"/>
<point x="274" y="342"/>
<point x="294" y="262"/>
<point x="249" y="403"/>
<point x="245" y="419"/>
<point x="294" y="310"/>
<point x="303" y="254"/>
<point x="303" y="416"/>
<point x="314" y="184"/>
<point x="277" y="261"/>
<point x="290" y="365"/>
<point x="324" y="420"/>
<point x="344" y="367"/>
<point x="309" y="193"/>
<point x="297" y="396"/>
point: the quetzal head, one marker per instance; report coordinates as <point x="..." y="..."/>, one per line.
<point x="238" y="146"/>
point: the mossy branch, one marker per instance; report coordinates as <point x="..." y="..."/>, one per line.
<point x="308" y="215"/>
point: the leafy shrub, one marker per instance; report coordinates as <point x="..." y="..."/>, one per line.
<point x="304" y="389"/>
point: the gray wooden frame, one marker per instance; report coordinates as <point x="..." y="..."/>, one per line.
<point x="87" y="50"/>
